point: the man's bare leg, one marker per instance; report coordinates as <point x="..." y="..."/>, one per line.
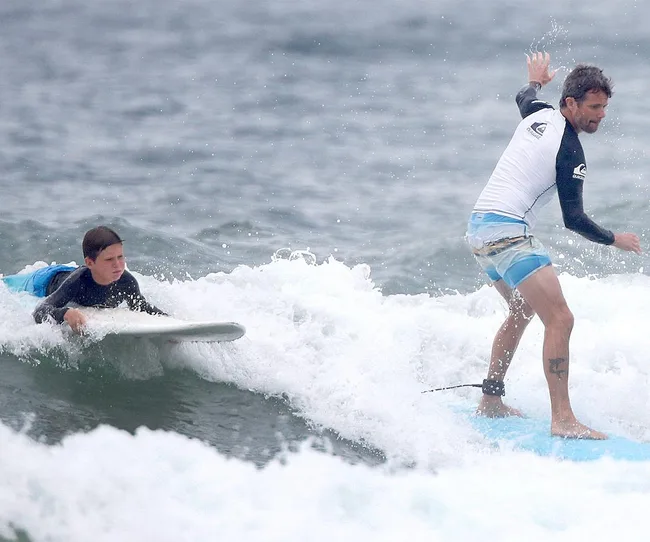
<point x="543" y="293"/>
<point x="505" y="343"/>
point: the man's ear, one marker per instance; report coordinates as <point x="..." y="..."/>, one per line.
<point x="571" y="103"/>
<point x="89" y="262"/>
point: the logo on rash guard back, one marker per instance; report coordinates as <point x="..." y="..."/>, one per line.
<point x="580" y="172"/>
<point x="537" y="129"/>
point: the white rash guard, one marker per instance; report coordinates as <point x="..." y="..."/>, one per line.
<point x="543" y="157"/>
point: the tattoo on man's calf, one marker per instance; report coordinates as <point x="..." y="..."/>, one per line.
<point x="554" y="367"/>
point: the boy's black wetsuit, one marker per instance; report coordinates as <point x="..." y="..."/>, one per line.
<point x="79" y="287"/>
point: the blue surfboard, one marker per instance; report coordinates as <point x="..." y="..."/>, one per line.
<point x="534" y="435"/>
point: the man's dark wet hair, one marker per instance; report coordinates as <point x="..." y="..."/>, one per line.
<point x="583" y="79"/>
<point x="97" y="240"/>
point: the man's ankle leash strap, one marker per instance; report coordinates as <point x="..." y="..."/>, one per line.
<point x="493" y="387"/>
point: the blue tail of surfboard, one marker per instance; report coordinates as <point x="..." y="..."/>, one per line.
<point x="530" y="434"/>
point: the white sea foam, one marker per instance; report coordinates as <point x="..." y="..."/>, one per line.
<point x="353" y="360"/>
<point x="356" y="361"/>
<point x="108" y="485"/>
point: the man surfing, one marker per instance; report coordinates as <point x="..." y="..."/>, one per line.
<point x="544" y="157"/>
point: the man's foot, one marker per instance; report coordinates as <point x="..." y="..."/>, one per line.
<point x="575" y="429"/>
<point x="492" y="407"/>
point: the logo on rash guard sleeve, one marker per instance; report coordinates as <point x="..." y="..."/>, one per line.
<point x="580" y="172"/>
<point x="537" y="129"/>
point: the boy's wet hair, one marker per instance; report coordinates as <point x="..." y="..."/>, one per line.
<point x="583" y="79"/>
<point x="97" y="240"/>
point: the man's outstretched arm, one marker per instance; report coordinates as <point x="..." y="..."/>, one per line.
<point x="538" y="76"/>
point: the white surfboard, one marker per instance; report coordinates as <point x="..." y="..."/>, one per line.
<point x="127" y="323"/>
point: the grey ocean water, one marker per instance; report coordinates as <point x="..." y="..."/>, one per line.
<point x="212" y="133"/>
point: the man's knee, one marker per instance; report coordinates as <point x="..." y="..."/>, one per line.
<point x="562" y="318"/>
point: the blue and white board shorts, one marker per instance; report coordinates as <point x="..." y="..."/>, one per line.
<point x="504" y="248"/>
<point x="36" y="282"/>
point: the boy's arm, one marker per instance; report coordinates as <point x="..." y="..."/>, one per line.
<point x="136" y="300"/>
<point x="54" y="305"/>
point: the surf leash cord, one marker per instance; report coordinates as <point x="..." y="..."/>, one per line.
<point x="489" y="387"/>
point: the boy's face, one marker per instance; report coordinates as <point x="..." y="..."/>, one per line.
<point x="108" y="266"/>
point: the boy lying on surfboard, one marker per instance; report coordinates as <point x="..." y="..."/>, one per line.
<point x="102" y="282"/>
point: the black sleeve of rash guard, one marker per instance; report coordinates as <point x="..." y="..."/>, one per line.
<point x="527" y="100"/>
<point x="571" y="170"/>
<point x="54" y="305"/>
